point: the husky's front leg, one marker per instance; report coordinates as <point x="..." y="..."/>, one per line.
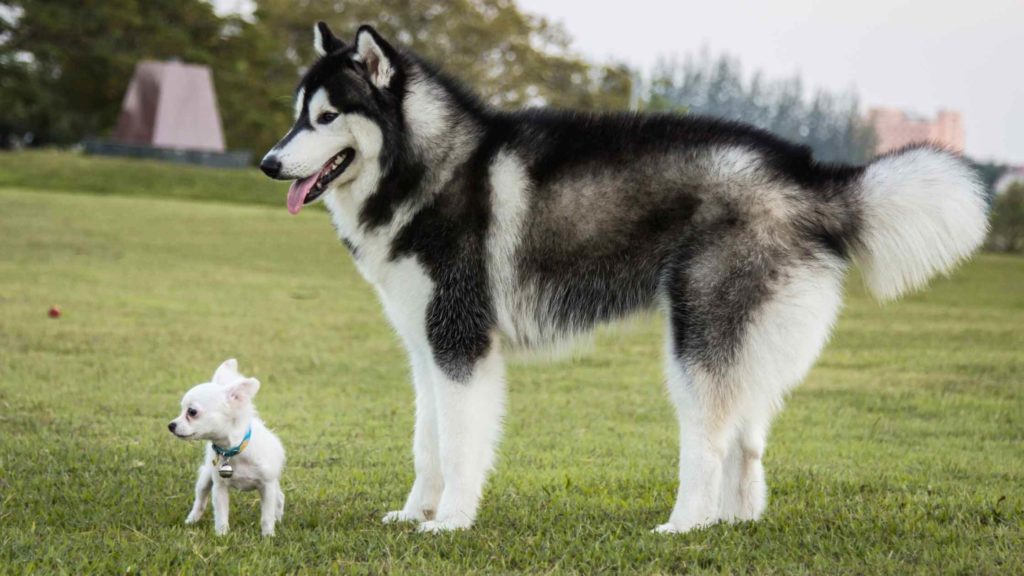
<point x="470" y="413"/>
<point x="421" y="503"/>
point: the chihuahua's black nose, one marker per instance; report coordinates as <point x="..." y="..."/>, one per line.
<point x="172" y="426"/>
<point x="271" y="166"/>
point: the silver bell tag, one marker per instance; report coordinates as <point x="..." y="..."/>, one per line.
<point x="225" y="470"/>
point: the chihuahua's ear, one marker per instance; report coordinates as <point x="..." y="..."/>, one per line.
<point x="380" y="58"/>
<point x="324" y="41"/>
<point x="242" y="391"/>
<point x="227" y="372"/>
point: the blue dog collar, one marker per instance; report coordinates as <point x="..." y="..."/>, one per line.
<point x="228" y="453"/>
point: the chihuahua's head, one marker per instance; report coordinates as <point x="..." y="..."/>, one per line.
<point x="211" y="410"/>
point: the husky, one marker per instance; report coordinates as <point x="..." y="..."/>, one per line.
<point x="485" y="231"/>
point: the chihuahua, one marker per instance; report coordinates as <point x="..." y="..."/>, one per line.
<point x="242" y="452"/>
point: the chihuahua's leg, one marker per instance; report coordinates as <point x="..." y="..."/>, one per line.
<point x="203" y="485"/>
<point x="269" y="493"/>
<point x="220" y="508"/>
<point x="280" y="502"/>
<point x="421" y="503"/>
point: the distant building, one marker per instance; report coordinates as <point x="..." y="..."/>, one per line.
<point x="170" y="105"/>
<point x="169" y="112"/>
<point x="896" y="129"/>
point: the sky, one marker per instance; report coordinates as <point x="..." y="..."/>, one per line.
<point x="918" y="55"/>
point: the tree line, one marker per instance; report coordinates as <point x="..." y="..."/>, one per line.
<point x="65" y="65"/>
<point x="830" y="123"/>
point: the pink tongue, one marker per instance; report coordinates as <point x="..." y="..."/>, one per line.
<point x="298" y="191"/>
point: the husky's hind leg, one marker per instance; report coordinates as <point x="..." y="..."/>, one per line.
<point x="725" y="402"/>
<point x="744" y="491"/>
<point x="705" y="431"/>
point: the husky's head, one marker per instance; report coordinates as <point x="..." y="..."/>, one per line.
<point x="344" y="107"/>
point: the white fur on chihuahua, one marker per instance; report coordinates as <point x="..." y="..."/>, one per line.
<point x="221" y="411"/>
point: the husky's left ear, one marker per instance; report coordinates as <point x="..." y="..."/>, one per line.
<point x="241" y="392"/>
<point x="379" y="57"/>
<point x="324" y="41"/>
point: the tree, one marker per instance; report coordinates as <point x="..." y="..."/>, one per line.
<point x="830" y="124"/>
<point x="513" y="59"/>
<point x="65" y="64"/>
<point x="1007" y="232"/>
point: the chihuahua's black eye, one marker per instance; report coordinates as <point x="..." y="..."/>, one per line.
<point x="192" y="412"/>
<point x="326" y="117"/>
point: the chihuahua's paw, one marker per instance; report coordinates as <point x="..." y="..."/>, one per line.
<point x="439" y="526"/>
<point x="399" y="516"/>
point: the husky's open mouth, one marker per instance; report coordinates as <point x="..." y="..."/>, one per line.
<point x="307" y="190"/>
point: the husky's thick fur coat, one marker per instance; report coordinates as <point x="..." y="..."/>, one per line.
<point x="483" y="230"/>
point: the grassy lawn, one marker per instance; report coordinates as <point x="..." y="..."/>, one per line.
<point x="902" y="453"/>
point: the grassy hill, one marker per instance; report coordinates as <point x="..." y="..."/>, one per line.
<point x="55" y="171"/>
<point x="900" y="454"/>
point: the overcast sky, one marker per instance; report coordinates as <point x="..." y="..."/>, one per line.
<point x="914" y="54"/>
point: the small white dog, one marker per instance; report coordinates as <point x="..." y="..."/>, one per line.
<point x="242" y="454"/>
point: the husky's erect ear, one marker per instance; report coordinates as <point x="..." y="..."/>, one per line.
<point x="324" y="41"/>
<point x="379" y="57"/>
<point x="227" y="372"/>
<point x="242" y="391"/>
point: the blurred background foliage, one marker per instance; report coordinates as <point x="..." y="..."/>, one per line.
<point x="65" y="64"/>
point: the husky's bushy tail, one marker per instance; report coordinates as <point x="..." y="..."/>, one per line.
<point x="923" y="210"/>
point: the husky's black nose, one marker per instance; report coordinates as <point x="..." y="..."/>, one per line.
<point x="172" y="426"/>
<point x="270" y="166"/>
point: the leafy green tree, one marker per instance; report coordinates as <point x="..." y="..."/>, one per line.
<point x="1007" y="234"/>
<point x="65" y="64"/>
<point x="513" y="59"/>
<point x="75" y="57"/>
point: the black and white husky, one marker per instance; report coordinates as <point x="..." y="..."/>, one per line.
<point x="484" y="230"/>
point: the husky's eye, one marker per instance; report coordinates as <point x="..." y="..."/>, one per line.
<point x="326" y="117"/>
<point x="192" y="412"/>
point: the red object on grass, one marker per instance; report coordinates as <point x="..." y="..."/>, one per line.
<point x="54" y="311"/>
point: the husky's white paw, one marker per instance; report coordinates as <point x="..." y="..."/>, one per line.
<point x="678" y="528"/>
<point x="439" y="526"/>
<point x="193" y="517"/>
<point x="683" y="527"/>
<point x="666" y="528"/>
<point x="397" y="516"/>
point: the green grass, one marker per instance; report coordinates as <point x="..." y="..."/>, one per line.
<point x="902" y="453"/>
<point x="54" y="171"/>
